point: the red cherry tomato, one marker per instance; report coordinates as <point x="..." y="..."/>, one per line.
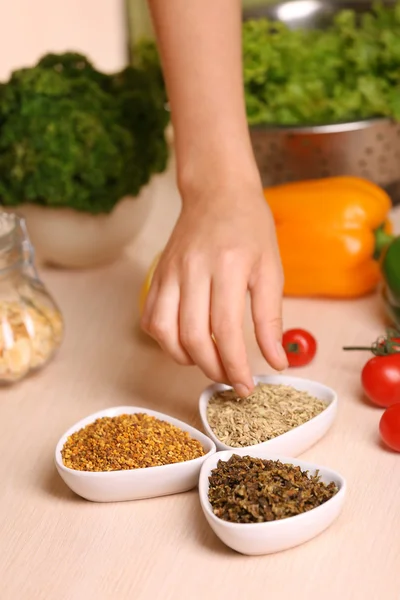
<point x="389" y="427"/>
<point x="380" y="379"/>
<point x="300" y="347"/>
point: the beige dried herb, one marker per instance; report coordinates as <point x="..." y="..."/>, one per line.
<point x="269" y="411"/>
<point x="132" y="441"/>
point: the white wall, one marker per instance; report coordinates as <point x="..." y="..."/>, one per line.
<point x="30" y="28"/>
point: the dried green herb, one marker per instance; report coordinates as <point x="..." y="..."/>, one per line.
<point x="252" y="490"/>
<point x="269" y="411"/>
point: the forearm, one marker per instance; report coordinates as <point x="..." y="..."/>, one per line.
<point x="200" y="46"/>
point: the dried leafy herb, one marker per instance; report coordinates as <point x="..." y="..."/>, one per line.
<point x="269" y="411"/>
<point x="252" y="490"/>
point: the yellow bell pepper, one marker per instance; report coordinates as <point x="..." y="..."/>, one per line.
<point x="327" y="232"/>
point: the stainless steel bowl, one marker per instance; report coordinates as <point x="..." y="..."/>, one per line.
<point x="368" y="148"/>
<point x="308" y="14"/>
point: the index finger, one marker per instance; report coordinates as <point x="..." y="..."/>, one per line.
<point x="228" y="299"/>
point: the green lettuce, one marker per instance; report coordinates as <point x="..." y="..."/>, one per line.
<point x="348" y="71"/>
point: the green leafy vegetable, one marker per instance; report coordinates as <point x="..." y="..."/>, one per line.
<point x="71" y="136"/>
<point x="349" y="71"/>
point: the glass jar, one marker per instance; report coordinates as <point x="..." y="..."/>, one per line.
<point x="31" y="325"/>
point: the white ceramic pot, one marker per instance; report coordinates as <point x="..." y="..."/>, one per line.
<point x="71" y="239"/>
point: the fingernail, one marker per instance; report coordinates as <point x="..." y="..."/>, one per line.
<point x="241" y="390"/>
<point x="281" y="354"/>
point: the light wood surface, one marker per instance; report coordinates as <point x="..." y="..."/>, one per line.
<point x="55" y="546"/>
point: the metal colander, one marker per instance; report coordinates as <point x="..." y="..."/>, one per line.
<point x="369" y="148"/>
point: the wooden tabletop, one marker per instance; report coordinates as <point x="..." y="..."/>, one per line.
<point x="56" y="546"/>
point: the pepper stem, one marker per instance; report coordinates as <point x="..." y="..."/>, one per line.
<point x="382" y="241"/>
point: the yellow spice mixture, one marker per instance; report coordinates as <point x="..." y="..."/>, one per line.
<point x="132" y="441"/>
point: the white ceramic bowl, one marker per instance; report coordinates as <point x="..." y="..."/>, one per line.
<point x="133" y="484"/>
<point x="295" y="441"/>
<point x="275" y="536"/>
<point x="71" y="239"/>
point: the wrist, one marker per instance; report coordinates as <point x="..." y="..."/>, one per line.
<point x="212" y="174"/>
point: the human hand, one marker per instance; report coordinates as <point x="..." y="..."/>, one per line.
<point x="223" y="245"/>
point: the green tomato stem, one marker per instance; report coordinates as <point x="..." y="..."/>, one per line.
<point x="293" y="348"/>
<point x="369" y="348"/>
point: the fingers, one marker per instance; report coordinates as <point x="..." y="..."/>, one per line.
<point x="228" y="298"/>
<point x="266" y="304"/>
<point x="161" y="320"/>
<point x="197" y="318"/>
<point x="195" y="326"/>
